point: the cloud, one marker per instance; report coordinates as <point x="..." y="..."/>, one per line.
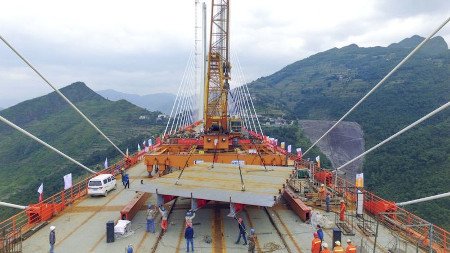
<point x="143" y="46"/>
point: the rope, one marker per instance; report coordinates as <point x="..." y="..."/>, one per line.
<point x="381" y="82"/>
<point x="45" y="144"/>
<point x="60" y="94"/>
<point x="397" y="134"/>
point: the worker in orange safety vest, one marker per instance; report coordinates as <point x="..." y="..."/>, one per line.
<point x="342" y="212"/>
<point x="322" y="192"/>
<point x="337" y="247"/>
<point x="315" y="245"/>
<point x="350" y="247"/>
<point x="325" y="248"/>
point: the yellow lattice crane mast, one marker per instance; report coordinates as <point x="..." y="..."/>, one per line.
<point x="218" y="71"/>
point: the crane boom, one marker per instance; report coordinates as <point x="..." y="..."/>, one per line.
<point x="218" y="70"/>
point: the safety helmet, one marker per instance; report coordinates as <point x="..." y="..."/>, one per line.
<point x="316" y="235"/>
<point x="348" y="240"/>
<point x="338" y="243"/>
<point x="52" y="228"/>
<point x="325" y="245"/>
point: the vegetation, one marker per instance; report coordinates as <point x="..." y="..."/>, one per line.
<point x="324" y="86"/>
<point x="25" y="163"/>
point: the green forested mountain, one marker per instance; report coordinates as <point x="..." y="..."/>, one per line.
<point x="324" y="86"/>
<point x="24" y="163"/>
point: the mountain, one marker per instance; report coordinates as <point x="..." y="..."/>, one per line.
<point x="153" y="102"/>
<point x="24" y="163"/>
<point x="326" y="85"/>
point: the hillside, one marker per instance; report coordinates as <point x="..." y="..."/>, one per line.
<point x="324" y="86"/>
<point x="153" y="102"/>
<point x="25" y="163"/>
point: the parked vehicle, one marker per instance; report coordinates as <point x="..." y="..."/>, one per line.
<point x="101" y="184"/>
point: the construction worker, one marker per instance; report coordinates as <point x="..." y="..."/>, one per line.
<point x="241" y="226"/>
<point x="189" y="236"/>
<point x="52" y="239"/>
<point x="252" y="241"/>
<point x="151" y="213"/>
<point x="129" y="249"/>
<point x="350" y="247"/>
<point x="190" y="215"/>
<point x="328" y="201"/>
<point x="164" y="215"/>
<point x="337" y="247"/>
<point x="322" y="193"/>
<point x="342" y="212"/>
<point x="320" y="232"/>
<point x="126" y="181"/>
<point x="325" y="248"/>
<point x="315" y="244"/>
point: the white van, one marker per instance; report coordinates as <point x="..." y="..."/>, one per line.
<point x="101" y="184"/>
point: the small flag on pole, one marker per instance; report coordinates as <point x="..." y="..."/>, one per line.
<point x="41" y="192"/>
<point x="106" y="163"/>
<point x="289" y="148"/>
<point x="299" y="153"/>
<point x="139" y="148"/>
<point x="150" y="143"/>
<point x="127" y="152"/>
<point x="67" y="181"/>
<point x="143" y="143"/>
<point x="318" y="161"/>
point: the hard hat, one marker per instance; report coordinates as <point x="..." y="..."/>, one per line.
<point x="348" y="240"/>
<point x="325" y="245"/>
<point x="52" y="228"/>
<point x="338" y="243"/>
<point x="316" y="234"/>
<point x="342" y="201"/>
<point x="252" y="231"/>
<point x="322" y="185"/>
<point x="150" y="206"/>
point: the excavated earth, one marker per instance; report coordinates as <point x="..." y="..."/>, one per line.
<point x="342" y="144"/>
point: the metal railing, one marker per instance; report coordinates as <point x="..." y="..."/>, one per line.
<point x="415" y="229"/>
<point x="37" y="215"/>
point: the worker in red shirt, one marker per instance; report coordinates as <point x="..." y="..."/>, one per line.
<point x="315" y="245"/>
<point x="342" y="212"/>
<point x="325" y="248"/>
<point x="337" y="247"/>
<point x="350" y="247"/>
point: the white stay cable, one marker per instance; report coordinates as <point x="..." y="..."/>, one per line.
<point x="45" y="144"/>
<point x="438" y="196"/>
<point x="381" y="82"/>
<point x="176" y="98"/>
<point x="245" y="96"/>
<point x="180" y="95"/>
<point x="244" y="109"/>
<point x="184" y="108"/>
<point x="248" y="92"/>
<point x="397" y="134"/>
<point x="60" y="94"/>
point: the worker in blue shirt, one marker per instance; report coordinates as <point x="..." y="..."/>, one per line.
<point x="241" y="231"/>
<point x="320" y="232"/>
<point x="189" y="236"/>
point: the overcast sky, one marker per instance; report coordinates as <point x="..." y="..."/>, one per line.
<point x="142" y="47"/>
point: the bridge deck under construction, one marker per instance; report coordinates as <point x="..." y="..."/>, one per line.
<point x="82" y="227"/>
<point x="222" y="182"/>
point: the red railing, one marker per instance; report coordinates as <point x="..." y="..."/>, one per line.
<point x="35" y="214"/>
<point x="414" y="228"/>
